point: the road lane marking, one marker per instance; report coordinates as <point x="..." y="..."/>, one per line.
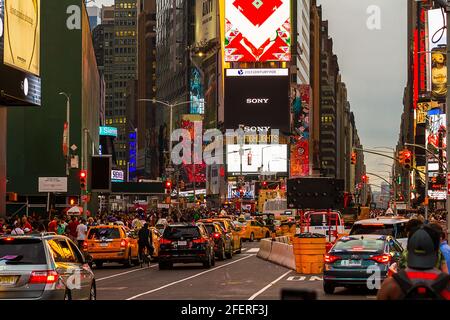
<point x="253" y="250"/>
<point x="269" y="285"/>
<point x="188" y="278"/>
<point x="124" y="273"/>
<point x="296" y="278"/>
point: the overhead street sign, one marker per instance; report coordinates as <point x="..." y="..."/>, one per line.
<point x="52" y="184"/>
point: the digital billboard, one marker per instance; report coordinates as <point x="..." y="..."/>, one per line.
<point x="257" y="31"/>
<point x="301" y="103"/>
<point x="437" y="55"/>
<point x="196" y="93"/>
<point x="257" y="159"/>
<point x="257" y="97"/>
<point x="20" y="52"/>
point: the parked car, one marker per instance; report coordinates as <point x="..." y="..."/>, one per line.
<point x="349" y="261"/>
<point x="186" y="243"/>
<point x="111" y="243"/>
<point x="44" y="267"/>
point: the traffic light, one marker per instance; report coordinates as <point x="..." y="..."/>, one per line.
<point x="353" y="159"/>
<point x="401" y="157"/>
<point x="83" y="178"/>
<point x="264" y="184"/>
<point x="365" y="178"/>
<point x="168" y="185"/>
<point x="72" y="201"/>
<point x="407" y="155"/>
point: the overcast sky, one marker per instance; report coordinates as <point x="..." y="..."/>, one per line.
<point x="373" y="65"/>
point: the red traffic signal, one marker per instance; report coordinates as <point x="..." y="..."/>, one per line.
<point x="83" y="178"/>
<point x="168" y="184"/>
<point x="264" y="184"/>
<point x="365" y="178"/>
<point x="407" y="155"/>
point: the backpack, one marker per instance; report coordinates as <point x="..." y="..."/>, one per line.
<point x="422" y="289"/>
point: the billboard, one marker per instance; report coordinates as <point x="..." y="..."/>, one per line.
<point x="108" y="131"/>
<point x="192" y="173"/>
<point x="436" y="142"/>
<point x="257" y="97"/>
<point x="205" y="20"/>
<point x="101" y="173"/>
<point x="20" y="52"/>
<point x="257" y="31"/>
<point x="437" y="44"/>
<point x="301" y="102"/>
<point x="257" y="159"/>
<point x="196" y="93"/>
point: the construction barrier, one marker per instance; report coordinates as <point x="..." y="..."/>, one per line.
<point x="309" y="254"/>
<point x="265" y="247"/>
<point x="282" y="254"/>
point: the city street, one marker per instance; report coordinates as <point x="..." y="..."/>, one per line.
<point x="241" y="278"/>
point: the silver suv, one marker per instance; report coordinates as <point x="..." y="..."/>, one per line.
<point x="44" y="267"/>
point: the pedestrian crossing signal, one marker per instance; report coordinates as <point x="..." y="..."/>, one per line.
<point x="353" y="158"/>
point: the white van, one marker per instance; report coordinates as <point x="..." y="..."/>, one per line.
<point x="318" y="222"/>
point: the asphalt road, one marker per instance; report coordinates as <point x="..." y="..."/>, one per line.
<point x="243" y="277"/>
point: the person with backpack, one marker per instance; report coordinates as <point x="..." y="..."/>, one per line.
<point x="421" y="279"/>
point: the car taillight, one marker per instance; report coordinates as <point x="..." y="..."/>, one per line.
<point x="330" y="258"/>
<point x="85" y="245"/>
<point x="216" y="235"/>
<point x="164" y="241"/>
<point x="43" y="277"/>
<point x="384" y="258"/>
<point x="201" y="240"/>
<point x="123" y="243"/>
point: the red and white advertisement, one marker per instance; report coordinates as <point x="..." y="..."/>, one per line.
<point x="257" y="30"/>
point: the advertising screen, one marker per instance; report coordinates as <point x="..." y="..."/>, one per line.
<point x="257" y="97"/>
<point x="257" y="159"/>
<point x="20" y="52"/>
<point x="257" y="30"/>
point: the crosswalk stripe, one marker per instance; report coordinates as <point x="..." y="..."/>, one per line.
<point x="253" y="250"/>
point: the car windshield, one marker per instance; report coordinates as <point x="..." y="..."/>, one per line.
<point x="210" y="228"/>
<point x="104" y="233"/>
<point x="316" y="220"/>
<point x="22" y="251"/>
<point x="181" y="232"/>
<point x="352" y="244"/>
<point x="381" y="229"/>
<point x="222" y="224"/>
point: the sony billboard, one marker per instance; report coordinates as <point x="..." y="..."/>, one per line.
<point x="257" y="98"/>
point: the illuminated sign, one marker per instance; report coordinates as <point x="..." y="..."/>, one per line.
<point x="22" y="35"/>
<point x="258" y="30"/>
<point x="132" y="154"/>
<point x="257" y="98"/>
<point x="196" y="93"/>
<point x="257" y="159"/>
<point x="108" y="131"/>
<point x="117" y="176"/>
<point x="20" y="84"/>
<point x="205" y="20"/>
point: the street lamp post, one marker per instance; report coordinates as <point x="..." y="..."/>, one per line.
<point x="170" y="106"/>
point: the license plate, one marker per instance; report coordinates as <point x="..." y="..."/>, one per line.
<point x="351" y="263"/>
<point x="8" y="280"/>
<point x="182" y="243"/>
<point x="104" y="244"/>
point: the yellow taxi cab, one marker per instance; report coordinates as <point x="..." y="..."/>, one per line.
<point x="252" y="229"/>
<point x="111" y="243"/>
<point x="230" y="229"/>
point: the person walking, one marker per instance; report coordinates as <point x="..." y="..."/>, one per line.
<point x="421" y="279"/>
<point x="81" y="233"/>
<point x="17" y="231"/>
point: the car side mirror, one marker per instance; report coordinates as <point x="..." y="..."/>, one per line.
<point x="88" y="259"/>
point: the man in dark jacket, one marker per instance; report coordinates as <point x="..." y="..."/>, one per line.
<point x="144" y="241"/>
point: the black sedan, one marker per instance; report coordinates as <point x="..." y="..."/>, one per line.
<point x="360" y="260"/>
